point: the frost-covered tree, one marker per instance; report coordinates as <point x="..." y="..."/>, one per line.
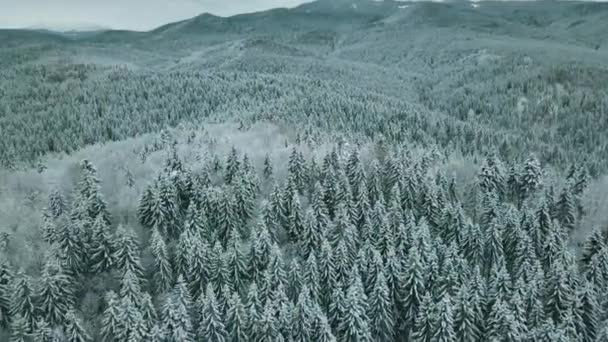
<point x="212" y="326"/>
<point x="54" y="294"/>
<point x="74" y="329"/>
<point x="176" y="314"/>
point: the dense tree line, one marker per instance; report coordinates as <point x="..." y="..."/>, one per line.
<point x="348" y="248"/>
<point x="555" y="111"/>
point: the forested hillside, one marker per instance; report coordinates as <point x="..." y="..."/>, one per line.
<point x="340" y="171"/>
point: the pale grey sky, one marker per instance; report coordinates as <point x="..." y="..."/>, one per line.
<point x="121" y="14"/>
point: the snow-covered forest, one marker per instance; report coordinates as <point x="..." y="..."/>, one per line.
<point x="378" y="172"/>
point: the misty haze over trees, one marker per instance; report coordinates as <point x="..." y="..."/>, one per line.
<point x="341" y="171"/>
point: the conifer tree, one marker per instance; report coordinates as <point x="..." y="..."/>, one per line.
<point x="22" y="299"/>
<point x="589" y="309"/>
<point x="444" y="331"/>
<point x="593" y="245"/>
<point x="236" y="320"/>
<point x="71" y="245"/>
<point x="426" y="320"/>
<point x="43" y="332"/>
<point x="132" y="326"/>
<point x="381" y="311"/>
<point x="163" y="271"/>
<point x="297" y="170"/>
<point x="212" y="327"/>
<point x="6" y="281"/>
<point x="355" y="323"/>
<point x="126" y="254"/>
<point x="57" y="203"/>
<point x="232" y="166"/>
<point x="531" y="178"/>
<point x="20" y="329"/>
<point x="110" y="323"/>
<point x="302" y="318"/>
<point x="464" y="316"/>
<point x="54" y="293"/>
<point x="237" y="264"/>
<point x="253" y="311"/>
<point x="268" y="168"/>
<point x="176" y="314"/>
<point x="102" y="246"/>
<point x="74" y="330"/>
<point x="413" y="290"/>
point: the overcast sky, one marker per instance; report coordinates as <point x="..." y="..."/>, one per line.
<point x="121" y="14"/>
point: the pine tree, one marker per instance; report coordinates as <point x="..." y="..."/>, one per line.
<point x="268" y="168"/>
<point x="321" y="328"/>
<point x="593" y="245"/>
<point x="566" y="208"/>
<point x="102" y="246"/>
<point x="355" y="324"/>
<point x="74" y="329"/>
<point x="444" y="331"/>
<point x="237" y="263"/>
<point x="130" y="288"/>
<point x="531" y="178"/>
<point x="589" y="308"/>
<point x="163" y="271"/>
<point x="6" y="281"/>
<point x="413" y="290"/>
<point x="426" y="320"/>
<point x="176" y="314"/>
<point x="268" y="325"/>
<point x="381" y="310"/>
<point x="132" y="326"/>
<point x="55" y="293"/>
<point x="559" y="297"/>
<point x="110" y="323"/>
<point x="254" y="311"/>
<point x="302" y="318"/>
<point x="57" y="203"/>
<point x="212" y="327"/>
<point x="43" y="332"/>
<point x="71" y="245"/>
<point x="232" y="166"/>
<point x="297" y="170"/>
<point x="88" y="193"/>
<point x="20" y="329"/>
<point x="464" y="317"/>
<point x="236" y="320"/>
<point x="127" y="255"/>
<point x="22" y="299"/>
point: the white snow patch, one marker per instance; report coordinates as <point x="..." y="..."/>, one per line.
<point x="354" y="6"/>
<point x="475" y="5"/>
<point x="404" y="6"/>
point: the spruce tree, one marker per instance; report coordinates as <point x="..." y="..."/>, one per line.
<point x="74" y="330"/>
<point x="176" y="314"/>
<point x="355" y="323"/>
<point x="381" y="310"/>
<point x="302" y="318"/>
<point x="212" y="327"/>
<point x="236" y="320"/>
<point x="110" y="322"/>
<point x="163" y="270"/>
<point x="22" y="299"/>
<point x="54" y="294"/>
<point x="20" y="329"/>
<point x="102" y="246"/>
<point x="426" y="320"/>
<point x="43" y="332"/>
<point x="127" y="254"/>
<point x="465" y="317"/>
<point x="444" y="331"/>
<point x="268" y="168"/>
